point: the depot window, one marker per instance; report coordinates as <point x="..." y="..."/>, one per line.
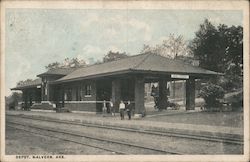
<point x="87" y="90"/>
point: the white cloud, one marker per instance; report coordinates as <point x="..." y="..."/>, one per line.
<point x="113" y="48"/>
<point x="141" y="27"/>
<point x="17" y="72"/>
<point x="89" y="51"/>
<point x="215" y="20"/>
<point x="117" y="27"/>
<point x="88" y="21"/>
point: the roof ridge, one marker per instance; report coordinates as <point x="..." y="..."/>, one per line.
<point x="129" y="56"/>
<point x="62" y="68"/>
<point x="185" y="63"/>
<point x="143" y="60"/>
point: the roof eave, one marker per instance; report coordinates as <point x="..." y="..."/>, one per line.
<point x="173" y="72"/>
<point x="91" y="76"/>
<point x="127" y="71"/>
<point x="45" y="74"/>
<point x="25" y="87"/>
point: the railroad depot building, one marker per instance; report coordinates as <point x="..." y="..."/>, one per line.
<point x="85" y="89"/>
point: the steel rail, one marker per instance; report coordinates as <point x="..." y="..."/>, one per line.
<point x="159" y="133"/>
<point x="77" y="142"/>
<point x="97" y="139"/>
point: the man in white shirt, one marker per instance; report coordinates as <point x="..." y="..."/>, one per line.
<point x="112" y="109"/>
<point x="121" y="109"/>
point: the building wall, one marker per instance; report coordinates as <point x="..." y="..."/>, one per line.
<point x="91" y="107"/>
<point x="79" y="101"/>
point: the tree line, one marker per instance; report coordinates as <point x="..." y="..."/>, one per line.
<point x="217" y="48"/>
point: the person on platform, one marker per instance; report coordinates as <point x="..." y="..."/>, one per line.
<point x="112" y="109"/>
<point x="128" y="109"/>
<point x="104" y="108"/>
<point x="122" y="109"/>
<point x="155" y="94"/>
<point x="153" y="91"/>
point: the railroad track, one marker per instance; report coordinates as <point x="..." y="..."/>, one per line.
<point x="230" y="140"/>
<point x="116" y="147"/>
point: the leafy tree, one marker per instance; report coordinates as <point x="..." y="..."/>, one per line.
<point x="233" y="37"/>
<point x="207" y="47"/>
<point x="212" y="94"/>
<point x="172" y="47"/>
<point x="75" y="62"/>
<point x="175" y="46"/>
<point x="12" y="100"/>
<point x="67" y="63"/>
<point x="220" y="49"/>
<point x="23" y="82"/>
<point x="53" y="65"/>
<point x="111" y="56"/>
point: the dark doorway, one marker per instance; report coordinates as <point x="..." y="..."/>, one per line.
<point x="103" y="93"/>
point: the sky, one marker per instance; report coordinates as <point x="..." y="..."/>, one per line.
<point x="36" y="37"/>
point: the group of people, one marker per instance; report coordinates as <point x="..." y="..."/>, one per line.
<point x="123" y="108"/>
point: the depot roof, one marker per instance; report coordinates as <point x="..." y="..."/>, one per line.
<point x="57" y="71"/>
<point x="28" y="84"/>
<point x="138" y="63"/>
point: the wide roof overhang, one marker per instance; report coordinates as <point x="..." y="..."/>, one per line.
<point x="57" y="72"/>
<point x="135" y="72"/>
<point x="147" y="64"/>
<point x="28" y="85"/>
<point x="144" y="64"/>
<point x="25" y="87"/>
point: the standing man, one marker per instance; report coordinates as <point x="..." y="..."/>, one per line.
<point x="104" y="108"/>
<point x="129" y="110"/>
<point x="112" y="109"/>
<point x="155" y="94"/>
<point x="121" y="109"/>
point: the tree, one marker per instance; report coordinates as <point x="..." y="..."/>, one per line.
<point x="233" y="37"/>
<point x="212" y="94"/>
<point x="67" y="63"/>
<point x="77" y="63"/>
<point x="207" y="47"/>
<point x="23" y="82"/>
<point x="12" y="100"/>
<point x="220" y="49"/>
<point x="175" y="46"/>
<point x="53" y="65"/>
<point x="172" y="47"/>
<point x="111" y="56"/>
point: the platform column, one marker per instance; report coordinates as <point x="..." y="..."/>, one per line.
<point x="25" y="99"/>
<point x="48" y="92"/>
<point x="63" y="93"/>
<point x="190" y="94"/>
<point x="42" y="92"/>
<point x="139" y="96"/>
<point x="116" y="93"/>
<point x="163" y="99"/>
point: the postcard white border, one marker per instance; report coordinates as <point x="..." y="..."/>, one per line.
<point x="147" y="4"/>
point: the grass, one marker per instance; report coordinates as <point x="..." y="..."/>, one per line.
<point x="229" y="119"/>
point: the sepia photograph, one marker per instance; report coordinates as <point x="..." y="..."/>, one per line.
<point x="124" y="81"/>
